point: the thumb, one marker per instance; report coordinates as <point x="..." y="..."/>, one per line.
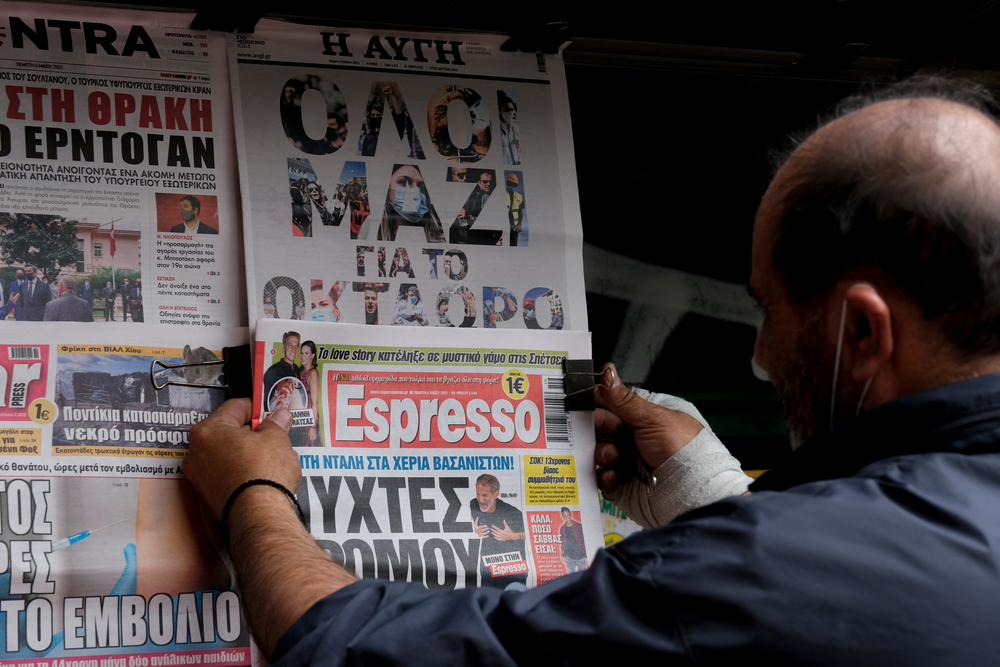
<point x="279" y="419"/>
<point x="664" y="431"/>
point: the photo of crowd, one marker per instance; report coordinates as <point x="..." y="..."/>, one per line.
<point x="64" y="270"/>
<point x="386" y="94"/>
<point x="291" y="114"/>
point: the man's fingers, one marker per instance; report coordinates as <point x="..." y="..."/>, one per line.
<point x="607" y="479"/>
<point x="605" y="453"/>
<point x="279" y="419"/>
<point x="234" y="412"/>
<point x="605" y="422"/>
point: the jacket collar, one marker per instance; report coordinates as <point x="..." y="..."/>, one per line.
<point x="963" y="417"/>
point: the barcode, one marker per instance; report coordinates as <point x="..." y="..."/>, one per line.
<point x="24" y="353"/>
<point x="557" y="429"/>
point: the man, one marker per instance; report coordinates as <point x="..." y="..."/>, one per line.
<point x="477" y="200"/>
<point x="285" y="367"/>
<point x="190" y="213"/>
<point x="110" y="294"/>
<point x="87" y="292"/>
<point x="35" y="295"/>
<point x="371" y="304"/>
<point x="126" y="292"/>
<point x="370" y="131"/>
<point x="501" y="527"/>
<point x="14" y="290"/>
<point x="135" y="301"/>
<point x="510" y="133"/>
<point x="574" y="551"/>
<point x="878" y="543"/>
<point x="461" y="230"/>
<point x="68" y="307"/>
<point x="515" y="208"/>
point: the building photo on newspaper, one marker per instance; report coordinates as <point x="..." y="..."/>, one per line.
<point x="120" y="245"/>
<point x="448" y="460"/>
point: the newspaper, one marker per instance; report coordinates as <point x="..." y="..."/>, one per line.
<point x="381" y="164"/>
<point x="118" y="169"/>
<point x="106" y="556"/>
<point x="449" y="461"/>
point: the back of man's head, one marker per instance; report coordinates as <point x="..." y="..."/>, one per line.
<point x="903" y="186"/>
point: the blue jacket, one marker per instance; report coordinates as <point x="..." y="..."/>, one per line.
<point x="878" y="544"/>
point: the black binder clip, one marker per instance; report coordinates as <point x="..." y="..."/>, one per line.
<point x="579" y="384"/>
<point x="236" y="370"/>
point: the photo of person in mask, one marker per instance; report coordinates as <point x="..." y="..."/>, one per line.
<point x="191" y="215"/>
<point x="324" y="304"/>
<point x="407" y="211"/>
<point x="409" y="308"/>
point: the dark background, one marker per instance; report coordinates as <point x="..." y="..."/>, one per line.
<point x="675" y="111"/>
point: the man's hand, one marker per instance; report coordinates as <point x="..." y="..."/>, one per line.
<point x="268" y="545"/>
<point x="224" y="453"/>
<point x="481" y="531"/>
<point x="506" y="534"/>
<point x="659" y="432"/>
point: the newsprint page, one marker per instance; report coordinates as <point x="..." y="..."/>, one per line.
<point x="380" y="165"/>
<point x="120" y="244"/>
<point x="449" y="461"/>
<point x="106" y="557"/>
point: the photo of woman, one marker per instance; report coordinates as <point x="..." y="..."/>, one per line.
<point x="407" y="204"/>
<point x="310" y="378"/>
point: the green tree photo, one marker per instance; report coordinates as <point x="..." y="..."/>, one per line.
<point x="45" y="241"/>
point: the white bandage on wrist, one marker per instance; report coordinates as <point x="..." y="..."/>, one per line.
<point x="700" y="473"/>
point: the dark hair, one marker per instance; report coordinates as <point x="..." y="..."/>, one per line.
<point x="897" y="208"/>
<point x="194" y="201"/>
<point x="312" y="346"/>
<point x="490" y="480"/>
<point x="392" y="220"/>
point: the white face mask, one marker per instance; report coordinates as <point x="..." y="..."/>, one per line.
<point x="410" y="203"/>
<point x="507" y="116"/>
<point x="836" y="369"/>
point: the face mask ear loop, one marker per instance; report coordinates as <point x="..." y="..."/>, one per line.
<point x="836" y="362"/>
<point x="864" y="392"/>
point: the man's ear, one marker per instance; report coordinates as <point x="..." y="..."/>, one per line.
<point x="869" y="333"/>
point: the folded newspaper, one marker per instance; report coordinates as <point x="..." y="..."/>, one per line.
<point x="449" y="460"/>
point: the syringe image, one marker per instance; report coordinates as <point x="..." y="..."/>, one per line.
<point x="73" y="539"/>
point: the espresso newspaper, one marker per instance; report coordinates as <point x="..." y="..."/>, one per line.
<point x="445" y="458"/>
